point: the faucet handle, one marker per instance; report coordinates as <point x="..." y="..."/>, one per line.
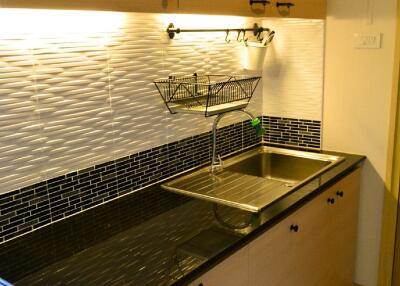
<point x="256" y="123"/>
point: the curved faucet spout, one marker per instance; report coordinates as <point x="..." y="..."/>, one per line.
<point x="217" y="163"/>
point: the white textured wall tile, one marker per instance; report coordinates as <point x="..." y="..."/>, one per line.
<point x="70" y="101"/>
<point x="135" y="62"/>
<point x="21" y="141"/>
<point x="293" y="69"/>
<point x="73" y="90"/>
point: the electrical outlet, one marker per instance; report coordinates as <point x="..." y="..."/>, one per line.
<point x="367" y="41"/>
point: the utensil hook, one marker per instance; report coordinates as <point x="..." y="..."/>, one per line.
<point x="244" y="39"/>
<point x="238" y="36"/>
<point x="226" y="38"/>
<point x="259" y="36"/>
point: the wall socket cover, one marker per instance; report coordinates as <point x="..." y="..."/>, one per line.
<point x="367" y="40"/>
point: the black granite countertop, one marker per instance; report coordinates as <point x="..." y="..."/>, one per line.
<point x="159" y="239"/>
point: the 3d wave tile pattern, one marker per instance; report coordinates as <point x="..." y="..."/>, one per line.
<point x="70" y="102"/>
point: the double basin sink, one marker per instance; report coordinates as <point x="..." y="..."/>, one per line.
<point x="255" y="179"/>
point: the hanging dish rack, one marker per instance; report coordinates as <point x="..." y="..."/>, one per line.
<point x="207" y="94"/>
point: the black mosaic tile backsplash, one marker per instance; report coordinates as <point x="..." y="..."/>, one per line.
<point x="29" y="208"/>
<point x="292" y="132"/>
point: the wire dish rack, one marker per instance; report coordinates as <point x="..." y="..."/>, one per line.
<point x="208" y="94"/>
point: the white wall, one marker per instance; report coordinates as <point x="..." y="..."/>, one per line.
<point x="293" y="69"/>
<point x="358" y="86"/>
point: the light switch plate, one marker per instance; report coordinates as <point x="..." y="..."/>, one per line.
<point x="367" y="41"/>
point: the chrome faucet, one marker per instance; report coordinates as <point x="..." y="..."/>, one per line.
<point x="255" y="122"/>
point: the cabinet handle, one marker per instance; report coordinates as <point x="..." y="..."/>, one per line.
<point x="294" y="228"/>
<point x="264" y="2"/>
<point x="286" y="4"/>
<point x="331" y="201"/>
<point x="340" y="194"/>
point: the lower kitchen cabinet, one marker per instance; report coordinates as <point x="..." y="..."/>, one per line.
<point x="313" y="246"/>
<point x="344" y="231"/>
<point x="320" y="239"/>
<point x="233" y="271"/>
<point x="292" y="252"/>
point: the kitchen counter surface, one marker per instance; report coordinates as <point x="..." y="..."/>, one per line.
<point x="179" y="244"/>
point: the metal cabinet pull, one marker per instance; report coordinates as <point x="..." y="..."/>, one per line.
<point x="264" y="2"/>
<point x="285" y="4"/>
<point x="294" y="228"/>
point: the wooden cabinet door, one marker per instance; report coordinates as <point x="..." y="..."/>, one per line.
<point x="347" y="194"/>
<point x="233" y="271"/>
<point x="329" y="239"/>
<point x="310" y="247"/>
<point x="341" y="231"/>
<point x="285" y="257"/>
<point x="154" y="6"/>
<point x="321" y="252"/>
<point x="223" y="7"/>
<point x="271" y="257"/>
<point x="312" y="9"/>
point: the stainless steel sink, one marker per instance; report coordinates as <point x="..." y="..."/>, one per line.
<point x="283" y="165"/>
<point x="255" y="179"/>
